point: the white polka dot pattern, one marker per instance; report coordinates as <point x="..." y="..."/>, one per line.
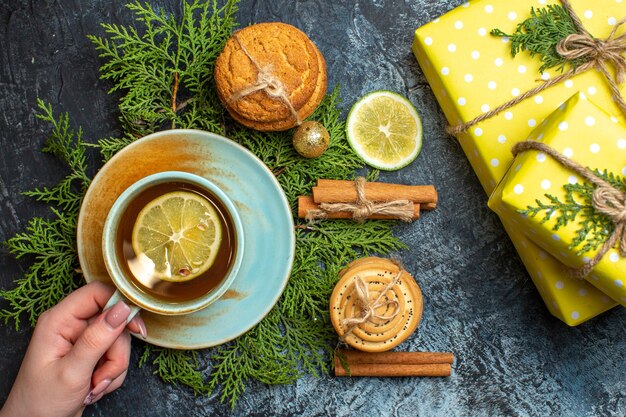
<point x="466" y="70"/>
<point x="573" y="130"/>
<point x="470" y="63"/>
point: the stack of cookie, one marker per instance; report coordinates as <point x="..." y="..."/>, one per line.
<point x="375" y="305"/>
<point x="270" y="76"/>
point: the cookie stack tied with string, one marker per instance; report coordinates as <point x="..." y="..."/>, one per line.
<point x="375" y="305"/>
<point x="270" y="76"/>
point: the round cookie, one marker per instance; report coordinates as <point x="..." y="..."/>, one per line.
<point x="289" y="122"/>
<point x="286" y="55"/>
<point x="389" y="330"/>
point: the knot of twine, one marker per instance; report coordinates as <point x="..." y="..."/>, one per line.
<point x="364" y="208"/>
<point x="368" y="307"/>
<point x="596" y="53"/>
<point x="606" y="200"/>
<point x="265" y="81"/>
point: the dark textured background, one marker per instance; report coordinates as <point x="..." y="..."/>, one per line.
<point x="514" y="358"/>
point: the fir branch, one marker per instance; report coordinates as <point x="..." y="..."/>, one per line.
<point x="594" y="228"/>
<point x="51" y="246"/>
<point x="69" y="147"/>
<point x="110" y="146"/>
<point x="166" y="73"/>
<point x="175" y="367"/>
<point x="539" y="35"/>
<point x="234" y="366"/>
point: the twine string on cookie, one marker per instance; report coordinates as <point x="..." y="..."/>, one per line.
<point x="364" y="208"/>
<point x="607" y="200"/>
<point x="597" y="53"/>
<point x="368" y="307"/>
<point x="265" y="81"/>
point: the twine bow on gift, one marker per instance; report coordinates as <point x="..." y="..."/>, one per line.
<point x="368" y="307"/>
<point x="607" y="200"/>
<point x="596" y="53"/>
<point x="265" y="81"/>
<point x="364" y="208"/>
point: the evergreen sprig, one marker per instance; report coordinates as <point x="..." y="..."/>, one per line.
<point x="50" y="244"/>
<point x="539" y="35"/>
<point x="175" y="366"/>
<point x="594" y="228"/>
<point x="166" y="73"/>
<point x="164" y="77"/>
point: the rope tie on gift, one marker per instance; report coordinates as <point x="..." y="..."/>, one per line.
<point x="368" y="307"/>
<point x="607" y="200"/>
<point x="597" y="53"/>
<point x="364" y="208"/>
<point x="265" y="81"/>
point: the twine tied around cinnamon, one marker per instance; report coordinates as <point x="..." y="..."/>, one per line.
<point x="363" y="208"/>
<point x="607" y="200"/>
<point x="596" y="52"/>
<point x="368" y="307"/>
<point x="265" y="81"/>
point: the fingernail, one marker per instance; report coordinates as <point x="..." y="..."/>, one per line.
<point x="142" y="327"/>
<point x="97" y="392"/>
<point x="117" y="314"/>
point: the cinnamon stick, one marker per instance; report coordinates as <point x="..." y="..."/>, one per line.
<point x="404" y="358"/>
<point x="344" y="191"/>
<point x="306" y="203"/>
<point x="386" y="369"/>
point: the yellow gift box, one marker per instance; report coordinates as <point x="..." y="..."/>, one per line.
<point x="471" y="72"/>
<point x="584" y="133"/>
<point x="572" y="301"/>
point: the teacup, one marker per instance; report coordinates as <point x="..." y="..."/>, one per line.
<point x="134" y="274"/>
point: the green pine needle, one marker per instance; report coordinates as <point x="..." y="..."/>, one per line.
<point x="50" y="244"/>
<point x="593" y="228"/>
<point x="164" y="75"/>
<point x="111" y="146"/>
<point x="69" y="147"/>
<point x="175" y="367"/>
<point x="539" y="35"/>
<point x="169" y="57"/>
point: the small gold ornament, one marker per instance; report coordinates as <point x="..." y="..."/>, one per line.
<point x="311" y="139"/>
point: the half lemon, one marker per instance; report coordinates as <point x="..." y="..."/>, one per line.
<point x="385" y="130"/>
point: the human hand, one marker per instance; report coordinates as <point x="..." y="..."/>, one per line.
<point x="77" y="355"/>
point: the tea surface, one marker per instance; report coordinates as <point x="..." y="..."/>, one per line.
<point x="142" y="274"/>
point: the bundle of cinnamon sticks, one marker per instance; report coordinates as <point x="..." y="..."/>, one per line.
<point x="436" y="364"/>
<point x="421" y="197"/>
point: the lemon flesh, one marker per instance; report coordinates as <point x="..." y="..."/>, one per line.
<point x="385" y="130"/>
<point x="180" y="233"/>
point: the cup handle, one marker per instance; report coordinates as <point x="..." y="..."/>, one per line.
<point x="117" y="296"/>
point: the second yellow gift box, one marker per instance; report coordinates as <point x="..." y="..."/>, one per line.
<point x="554" y="206"/>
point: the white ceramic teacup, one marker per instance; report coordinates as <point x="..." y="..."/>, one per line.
<point x="129" y="292"/>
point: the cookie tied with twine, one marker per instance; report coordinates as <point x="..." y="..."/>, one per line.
<point x="375" y="305"/>
<point x="270" y="76"/>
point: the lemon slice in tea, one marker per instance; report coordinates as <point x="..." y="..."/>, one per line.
<point x="180" y="232"/>
<point x="385" y="130"/>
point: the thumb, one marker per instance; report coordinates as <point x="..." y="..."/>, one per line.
<point x="99" y="336"/>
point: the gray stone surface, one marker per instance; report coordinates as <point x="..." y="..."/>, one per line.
<point x="513" y="357"/>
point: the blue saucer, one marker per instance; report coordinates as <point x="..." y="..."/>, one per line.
<point x="264" y="211"/>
